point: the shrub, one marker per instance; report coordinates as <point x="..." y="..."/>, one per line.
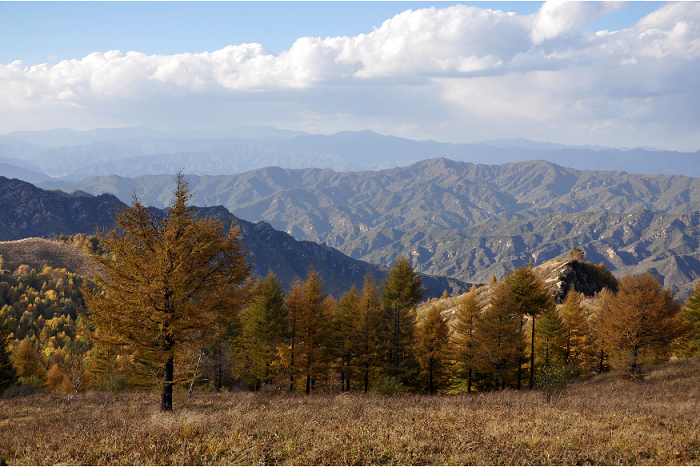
<point x="387" y="385"/>
<point x="552" y="381"/>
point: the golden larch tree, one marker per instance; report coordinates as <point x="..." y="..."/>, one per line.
<point x="640" y="323"/>
<point x="169" y="284"/>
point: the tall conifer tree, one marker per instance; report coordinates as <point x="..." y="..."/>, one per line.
<point x="402" y="292"/>
<point x="433" y="350"/>
<point x="641" y="322"/>
<point x="169" y="284"/>
<point x="264" y="329"/>
<point x="576" y="336"/>
<point x="467" y="316"/>
<point x="367" y="346"/>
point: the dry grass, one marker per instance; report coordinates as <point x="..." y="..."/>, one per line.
<point x="39" y="252"/>
<point x="605" y="420"/>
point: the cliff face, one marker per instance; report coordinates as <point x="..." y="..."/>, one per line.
<point x="562" y="275"/>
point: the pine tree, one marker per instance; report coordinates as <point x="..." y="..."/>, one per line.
<point x="691" y="320"/>
<point x="434" y="351"/>
<point x="367" y="346"/>
<point x="467" y="315"/>
<point x="170" y="284"/>
<point x="498" y="338"/>
<point x="531" y="299"/>
<point x="402" y="292"/>
<point x="264" y="329"/>
<point x="576" y="337"/>
<point x="640" y="323"/>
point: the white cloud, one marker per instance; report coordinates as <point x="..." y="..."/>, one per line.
<point x="456" y="73"/>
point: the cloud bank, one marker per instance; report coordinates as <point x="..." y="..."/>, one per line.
<point x="459" y="73"/>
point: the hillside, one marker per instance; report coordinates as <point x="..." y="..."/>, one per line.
<point x="40" y="252"/>
<point x="459" y="219"/>
<point x="601" y="421"/>
<point x="28" y="211"/>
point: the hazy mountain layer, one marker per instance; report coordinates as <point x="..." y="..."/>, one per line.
<point x="102" y="152"/>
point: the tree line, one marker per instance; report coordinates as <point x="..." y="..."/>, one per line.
<point x="175" y="304"/>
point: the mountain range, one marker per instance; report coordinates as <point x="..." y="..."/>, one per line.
<point x="458" y="219"/>
<point x="131" y="152"/>
<point x="28" y="211"/>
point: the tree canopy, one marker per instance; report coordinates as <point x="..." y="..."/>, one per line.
<point x="169" y="283"/>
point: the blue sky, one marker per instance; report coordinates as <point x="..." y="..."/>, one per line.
<point x="603" y="73"/>
<point x="41" y="32"/>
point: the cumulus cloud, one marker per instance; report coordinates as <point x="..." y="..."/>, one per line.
<point x="454" y="73"/>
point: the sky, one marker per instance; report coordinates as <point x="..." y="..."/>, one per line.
<point x="601" y="73"/>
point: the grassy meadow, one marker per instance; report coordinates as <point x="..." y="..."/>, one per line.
<point x="604" y="420"/>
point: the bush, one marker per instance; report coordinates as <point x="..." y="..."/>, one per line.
<point x="552" y="381"/>
<point x="116" y="383"/>
<point x="387" y="385"/>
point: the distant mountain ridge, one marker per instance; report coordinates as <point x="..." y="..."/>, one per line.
<point x="459" y="219"/>
<point x="29" y="211"/>
<point x="123" y="151"/>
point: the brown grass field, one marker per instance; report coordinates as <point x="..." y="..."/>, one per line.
<point x="605" y="420"/>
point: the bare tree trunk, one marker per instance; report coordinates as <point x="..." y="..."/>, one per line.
<point x="532" y="354"/>
<point x="166" y="403"/>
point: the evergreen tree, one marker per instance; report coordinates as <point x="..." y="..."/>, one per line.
<point x="434" y="351"/>
<point x="366" y="344"/>
<point x="467" y="316"/>
<point x="531" y="299"/>
<point x="264" y="329"/>
<point x="576" y="337"/>
<point x="498" y="337"/>
<point x="691" y="320"/>
<point x="170" y="285"/>
<point x="641" y="322"/>
<point x="402" y="292"/>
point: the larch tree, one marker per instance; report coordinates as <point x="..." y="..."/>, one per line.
<point x="402" y="291"/>
<point x="498" y="338"/>
<point x="27" y="361"/>
<point x="434" y="351"/>
<point x="467" y="316"/>
<point x="531" y="299"/>
<point x="264" y="328"/>
<point x="367" y="346"/>
<point x="310" y="333"/>
<point x="549" y="341"/>
<point x="599" y="343"/>
<point x="691" y="320"/>
<point x="295" y="306"/>
<point x="641" y="322"/>
<point x="170" y="284"/>
<point x="576" y="337"/>
<point x="341" y="341"/>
